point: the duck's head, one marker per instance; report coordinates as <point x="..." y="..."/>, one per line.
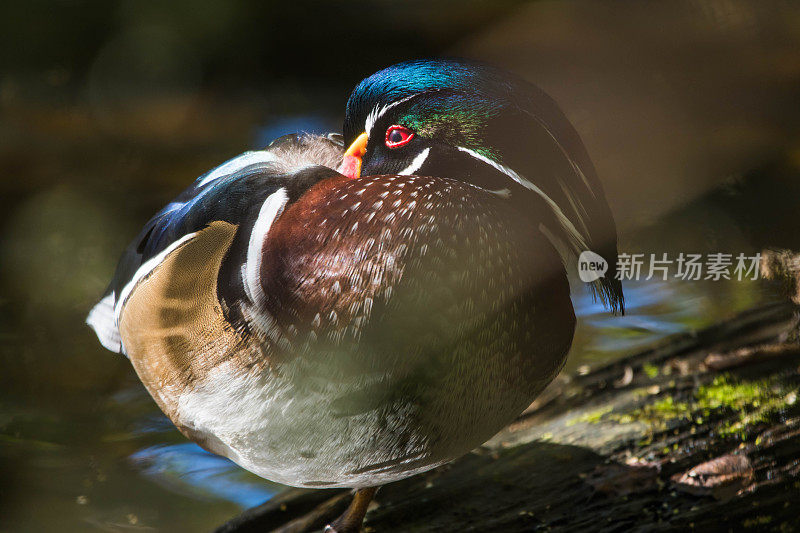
<point x="469" y="121"/>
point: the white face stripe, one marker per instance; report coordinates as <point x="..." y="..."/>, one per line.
<point x="416" y="163"/>
<point x="237" y="163"/>
<point x="371" y="118"/>
<point x="377" y="113"/>
<point x="572" y="231"/>
<point x="147" y="267"/>
<point x="270" y="210"/>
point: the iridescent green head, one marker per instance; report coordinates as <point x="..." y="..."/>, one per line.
<point x="473" y="122"/>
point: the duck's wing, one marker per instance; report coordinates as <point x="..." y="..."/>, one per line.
<point x="568" y="177"/>
<point x="245" y="194"/>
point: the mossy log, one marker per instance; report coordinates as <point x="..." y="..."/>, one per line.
<point x="699" y="432"/>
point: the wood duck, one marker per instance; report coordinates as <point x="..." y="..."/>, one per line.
<point x="331" y="317"/>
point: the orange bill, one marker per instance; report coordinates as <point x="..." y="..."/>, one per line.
<point x="351" y="163"/>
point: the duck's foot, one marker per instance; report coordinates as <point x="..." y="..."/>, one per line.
<point x="350" y="521"/>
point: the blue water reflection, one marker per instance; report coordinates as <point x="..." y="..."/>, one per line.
<point x="188" y="469"/>
<point x="655" y="309"/>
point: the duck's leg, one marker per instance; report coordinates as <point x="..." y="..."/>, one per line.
<point x="350" y="521"/>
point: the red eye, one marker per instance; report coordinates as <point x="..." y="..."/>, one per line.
<point x="397" y="136"/>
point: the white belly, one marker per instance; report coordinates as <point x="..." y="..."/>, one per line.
<point x="296" y="435"/>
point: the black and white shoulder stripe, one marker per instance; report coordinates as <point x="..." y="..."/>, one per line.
<point x="249" y="191"/>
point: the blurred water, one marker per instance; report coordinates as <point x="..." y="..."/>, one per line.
<point x="654" y="310"/>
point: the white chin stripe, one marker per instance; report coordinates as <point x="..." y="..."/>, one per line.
<point x="575" y="236"/>
<point x="270" y="210"/>
<point x="235" y="164"/>
<point x="104" y="323"/>
<point x="416" y="164"/>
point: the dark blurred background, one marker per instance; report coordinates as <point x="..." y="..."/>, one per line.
<point x="689" y="110"/>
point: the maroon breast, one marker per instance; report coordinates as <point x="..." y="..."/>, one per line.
<point x="408" y="264"/>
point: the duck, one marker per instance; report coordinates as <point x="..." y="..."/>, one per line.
<point x="351" y="310"/>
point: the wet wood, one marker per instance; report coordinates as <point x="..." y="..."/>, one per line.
<point x="701" y="431"/>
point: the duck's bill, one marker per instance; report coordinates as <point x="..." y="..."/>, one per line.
<point x="351" y="162"/>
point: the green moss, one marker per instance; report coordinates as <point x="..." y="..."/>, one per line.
<point x="752" y="401"/>
<point x="723" y="393"/>
<point x="657" y="413"/>
<point x="592" y="417"/>
<point x="650" y="370"/>
<point x="757" y="521"/>
<point x="745" y="403"/>
<point x="668" y="408"/>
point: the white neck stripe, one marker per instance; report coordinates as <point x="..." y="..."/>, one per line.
<point x="416" y="163"/>
<point x="572" y="231"/>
